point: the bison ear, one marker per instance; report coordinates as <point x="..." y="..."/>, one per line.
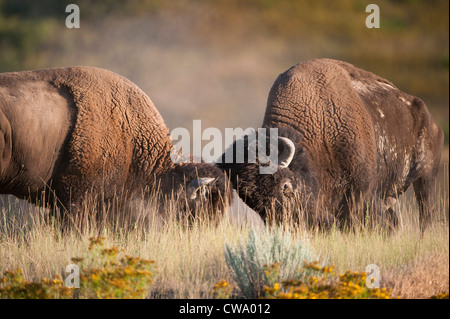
<point x="196" y="184"/>
<point x="286" y="151"/>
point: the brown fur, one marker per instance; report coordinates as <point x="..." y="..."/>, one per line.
<point x="79" y="130"/>
<point x="364" y="136"/>
<point x="262" y="192"/>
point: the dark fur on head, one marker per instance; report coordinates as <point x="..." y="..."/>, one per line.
<point x="214" y="195"/>
<point x="262" y="191"/>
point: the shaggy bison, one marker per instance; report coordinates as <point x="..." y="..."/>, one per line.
<point x="83" y="130"/>
<point x="357" y="139"/>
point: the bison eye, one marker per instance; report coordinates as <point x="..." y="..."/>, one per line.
<point x="286" y="187"/>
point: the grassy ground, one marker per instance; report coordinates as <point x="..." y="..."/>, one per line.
<point x="194" y="59"/>
<point x="191" y="259"/>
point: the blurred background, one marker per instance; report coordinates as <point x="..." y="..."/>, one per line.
<point x="216" y="60"/>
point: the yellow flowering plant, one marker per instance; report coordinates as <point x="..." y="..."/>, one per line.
<point x="14" y="286"/>
<point x="113" y="274"/>
<point x="222" y="290"/>
<point x="104" y="273"/>
<point x="326" y="285"/>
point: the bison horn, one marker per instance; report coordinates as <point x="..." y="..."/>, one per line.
<point x="287" y="154"/>
<point x="196" y="184"/>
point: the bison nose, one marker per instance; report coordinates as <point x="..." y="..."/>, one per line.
<point x="199" y="185"/>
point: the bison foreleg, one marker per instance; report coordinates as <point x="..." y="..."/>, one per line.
<point x="390" y="214"/>
<point x="351" y="210"/>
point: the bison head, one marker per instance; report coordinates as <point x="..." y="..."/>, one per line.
<point x="266" y="193"/>
<point x="197" y="187"/>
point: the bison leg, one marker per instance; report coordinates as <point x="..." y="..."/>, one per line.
<point x="356" y="203"/>
<point x="424" y="184"/>
<point x="352" y="209"/>
<point x="389" y="212"/>
<point x="344" y="211"/>
<point x="423" y="189"/>
<point x="69" y="203"/>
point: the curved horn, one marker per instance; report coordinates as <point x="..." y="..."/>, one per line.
<point x="197" y="183"/>
<point x="286" y="156"/>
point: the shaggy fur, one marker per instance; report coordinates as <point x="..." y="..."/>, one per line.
<point x="83" y="130"/>
<point x="176" y="181"/>
<point x="262" y="192"/>
<point x="363" y="137"/>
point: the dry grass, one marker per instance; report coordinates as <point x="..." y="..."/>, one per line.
<point x="196" y="58"/>
<point x="190" y="256"/>
<point x="426" y="276"/>
<point x="412" y="265"/>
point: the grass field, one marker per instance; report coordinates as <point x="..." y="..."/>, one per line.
<point x="198" y="59"/>
<point x="191" y="258"/>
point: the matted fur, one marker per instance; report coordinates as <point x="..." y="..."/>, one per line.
<point x="362" y="139"/>
<point x="96" y="132"/>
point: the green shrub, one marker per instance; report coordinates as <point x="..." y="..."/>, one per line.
<point x="252" y="263"/>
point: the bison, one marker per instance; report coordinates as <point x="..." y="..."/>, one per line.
<point x="356" y="138"/>
<point x="77" y="131"/>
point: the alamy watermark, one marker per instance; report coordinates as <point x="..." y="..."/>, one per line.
<point x="213" y="150"/>
<point x="373" y="276"/>
<point x="73" y="19"/>
<point x="373" y="19"/>
<point x="73" y="276"/>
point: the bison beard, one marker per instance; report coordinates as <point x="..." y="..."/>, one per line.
<point x="271" y="194"/>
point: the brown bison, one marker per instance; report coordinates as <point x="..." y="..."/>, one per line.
<point x="357" y="138"/>
<point x="83" y="130"/>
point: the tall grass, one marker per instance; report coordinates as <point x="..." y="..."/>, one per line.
<point x="191" y="254"/>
